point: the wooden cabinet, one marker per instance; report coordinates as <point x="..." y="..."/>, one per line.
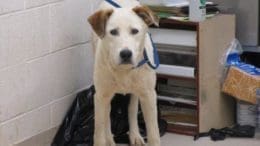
<point x="191" y="71"/>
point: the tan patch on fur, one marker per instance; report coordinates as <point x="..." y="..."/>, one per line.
<point x="147" y="15"/>
<point x="99" y="20"/>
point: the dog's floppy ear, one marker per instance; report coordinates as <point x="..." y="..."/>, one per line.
<point x="147" y="15"/>
<point x="99" y="20"/>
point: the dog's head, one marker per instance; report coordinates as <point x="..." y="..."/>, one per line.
<point x="123" y="31"/>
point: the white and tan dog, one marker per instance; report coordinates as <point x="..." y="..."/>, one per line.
<point x="119" y="41"/>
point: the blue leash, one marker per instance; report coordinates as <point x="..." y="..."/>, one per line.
<point x="146" y="59"/>
<point x="113" y="3"/>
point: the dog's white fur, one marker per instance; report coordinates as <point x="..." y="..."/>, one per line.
<point x="110" y="76"/>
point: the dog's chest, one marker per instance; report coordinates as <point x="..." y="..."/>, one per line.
<point x="125" y="84"/>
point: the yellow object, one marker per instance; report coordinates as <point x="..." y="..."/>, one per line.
<point x="241" y="85"/>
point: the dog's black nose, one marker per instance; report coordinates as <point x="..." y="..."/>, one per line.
<point x="126" y="55"/>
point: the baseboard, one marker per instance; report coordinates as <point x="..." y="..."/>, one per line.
<point x="42" y="139"/>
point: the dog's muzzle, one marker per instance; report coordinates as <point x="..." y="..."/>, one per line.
<point x="126" y="56"/>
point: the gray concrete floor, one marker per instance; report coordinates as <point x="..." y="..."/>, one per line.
<point x="169" y="139"/>
<point x="181" y="140"/>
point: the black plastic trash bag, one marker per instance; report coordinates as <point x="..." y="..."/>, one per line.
<point x="77" y="128"/>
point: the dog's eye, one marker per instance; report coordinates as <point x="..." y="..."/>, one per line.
<point x="134" y="31"/>
<point x="114" y="32"/>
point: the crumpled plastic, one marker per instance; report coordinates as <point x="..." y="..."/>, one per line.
<point x="233" y="59"/>
<point x="77" y="128"/>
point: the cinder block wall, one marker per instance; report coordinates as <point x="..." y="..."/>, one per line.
<point x="45" y="59"/>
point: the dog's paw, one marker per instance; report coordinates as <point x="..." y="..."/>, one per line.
<point x="99" y="143"/>
<point x="110" y="140"/>
<point x="154" y="142"/>
<point x="136" y="139"/>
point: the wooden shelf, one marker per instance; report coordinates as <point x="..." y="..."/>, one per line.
<point x="177" y="37"/>
<point x="178" y="71"/>
<point x="178" y="100"/>
<point x="176" y="24"/>
<point x="212" y="36"/>
<point x="187" y="130"/>
<point x="174" y="77"/>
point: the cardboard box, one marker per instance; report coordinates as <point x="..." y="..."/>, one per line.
<point x="241" y="85"/>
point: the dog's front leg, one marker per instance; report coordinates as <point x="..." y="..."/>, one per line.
<point x="102" y="112"/>
<point x="149" y="108"/>
<point x="109" y="135"/>
<point x="134" y="134"/>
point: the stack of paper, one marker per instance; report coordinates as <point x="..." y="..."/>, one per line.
<point x="175" y="3"/>
<point x="179" y="9"/>
<point x="178" y="115"/>
<point x="178" y="3"/>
